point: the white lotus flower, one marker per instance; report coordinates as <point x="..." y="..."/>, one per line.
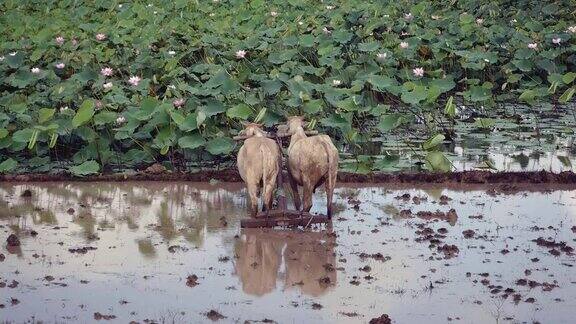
<point x="134" y="80"/>
<point x="418" y="72"/>
<point x="240" y="54"/>
<point x="35" y="70"/>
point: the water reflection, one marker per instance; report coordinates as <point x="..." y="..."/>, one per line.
<point x="302" y="260"/>
<point x="186" y="210"/>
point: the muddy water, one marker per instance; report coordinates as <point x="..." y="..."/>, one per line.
<point x="127" y="249"/>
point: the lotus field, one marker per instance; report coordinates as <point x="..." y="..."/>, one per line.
<point x="105" y="86"/>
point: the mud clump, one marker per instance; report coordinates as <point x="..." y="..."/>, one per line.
<point x="573" y="229"/>
<point x="325" y="281"/>
<point x="404" y="197"/>
<point x="444" y="200"/>
<point x="366" y="268"/>
<point x="192" y="281"/>
<point x="546" y="286"/>
<point x="383" y="319"/>
<point x="376" y="256"/>
<point x="13" y="240"/>
<point x="2" y="257"/>
<point x="554" y="246"/>
<point x="450" y="216"/>
<point x="214" y="315"/>
<point x="175" y="248"/>
<point x="82" y="250"/>
<point x="449" y="251"/>
<point x="317" y="306"/>
<point x="98" y="317"/>
<point x="26" y="193"/>
<point x="468" y="233"/>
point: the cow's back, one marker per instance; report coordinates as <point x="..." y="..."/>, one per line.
<point x="257" y="155"/>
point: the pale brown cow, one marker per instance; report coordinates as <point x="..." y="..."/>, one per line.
<point x="312" y="161"/>
<point x="259" y="164"/>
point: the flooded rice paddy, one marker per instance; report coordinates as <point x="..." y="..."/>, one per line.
<point x="174" y="252"/>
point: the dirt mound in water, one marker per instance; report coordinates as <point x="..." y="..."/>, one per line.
<point x="384" y="319"/>
<point x="507" y="180"/>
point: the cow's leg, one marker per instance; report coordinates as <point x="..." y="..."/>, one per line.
<point x="253" y="197"/>
<point x="268" y="195"/>
<point x="330" y="184"/>
<point x="295" y="194"/>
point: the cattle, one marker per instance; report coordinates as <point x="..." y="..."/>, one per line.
<point x="312" y="161"/>
<point x="258" y="163"/>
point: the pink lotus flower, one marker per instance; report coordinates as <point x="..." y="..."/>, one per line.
<point x="107" y="71"/>
<point x="418" y="72"/>
<point x="572" y="29"/>
<point x="178" y="102"/>
<point x="556" y="40"/>
<point x="59" y="40"/>
<point x="240" y="54"/>
<point x="403" y="45"/>
<point x="107" y="86"/>
<point x="134" y="80"/>
<point x="100" y="37"/>
<point x="35" y="70"/>
<point x="99" y="104"/>
<point x="60" y="65"/>
<point x="533" y="46"/>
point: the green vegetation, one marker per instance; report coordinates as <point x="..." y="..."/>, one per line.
<point x="92" y="86"/>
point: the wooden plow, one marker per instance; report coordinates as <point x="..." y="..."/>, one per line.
<point x="281" y="216"/>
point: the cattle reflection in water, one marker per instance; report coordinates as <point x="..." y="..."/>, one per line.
<point x="303" y="260"/>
